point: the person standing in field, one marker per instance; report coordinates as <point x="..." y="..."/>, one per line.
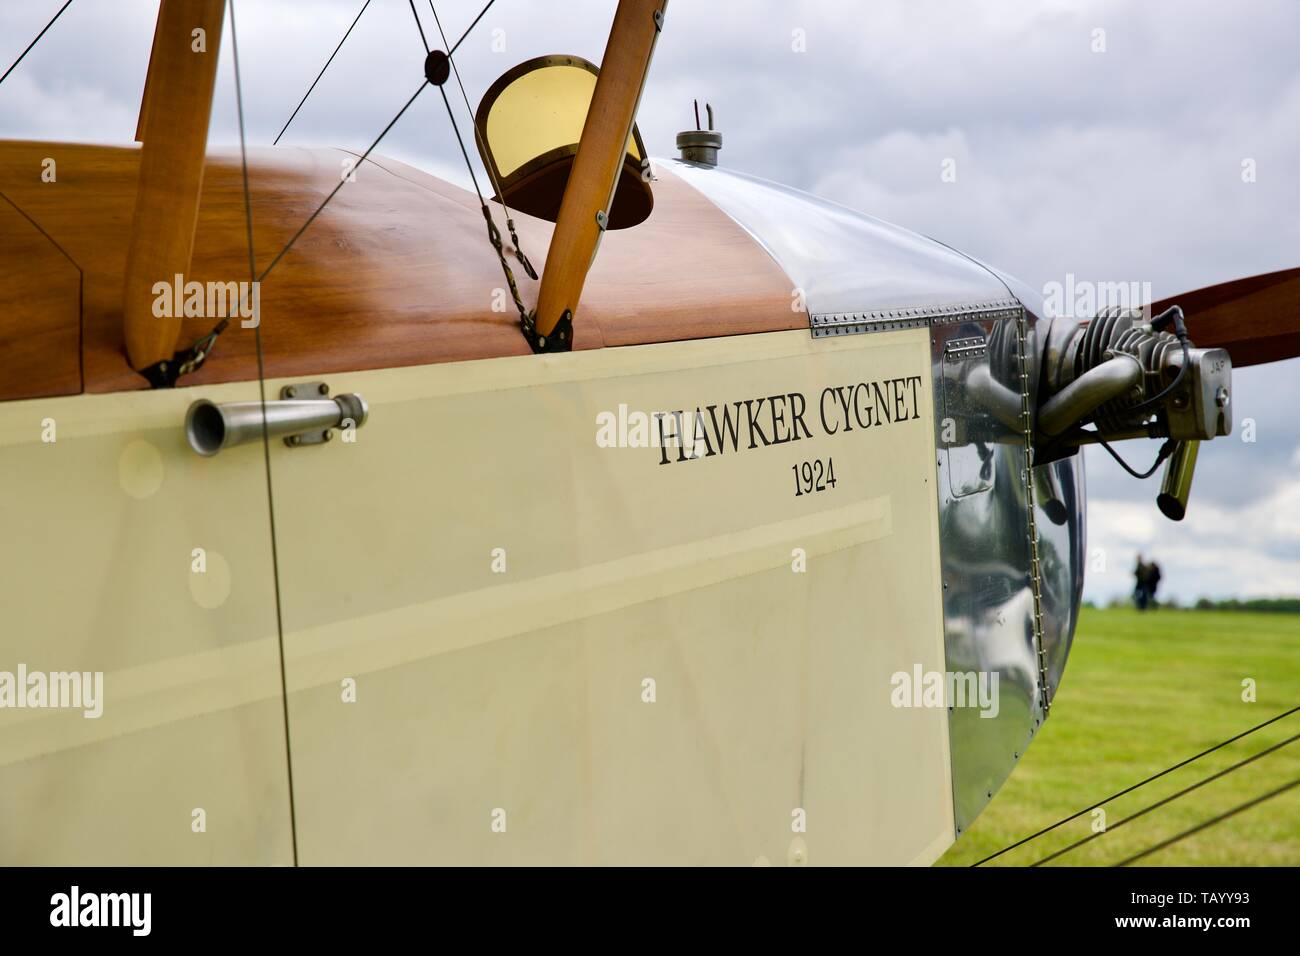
<point x="1153" y="582"/>
<point x="1141" y="593"/>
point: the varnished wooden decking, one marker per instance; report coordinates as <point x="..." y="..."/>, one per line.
<point x="397" y="270"/>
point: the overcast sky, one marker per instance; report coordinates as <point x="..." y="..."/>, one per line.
<point x="1100" y="139"/>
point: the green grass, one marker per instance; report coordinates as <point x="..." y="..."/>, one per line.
<point x="1142" y="692"/>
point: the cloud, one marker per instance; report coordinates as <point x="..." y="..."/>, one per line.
<point x="1248" y="549"/>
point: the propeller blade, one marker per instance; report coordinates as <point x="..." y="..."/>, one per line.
<point x="1257" y="319"/>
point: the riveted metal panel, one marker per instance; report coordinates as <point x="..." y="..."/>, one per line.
<point x="969" y="457"/>
<point x="1061" y="507"/>
<point x="986" y="550"/>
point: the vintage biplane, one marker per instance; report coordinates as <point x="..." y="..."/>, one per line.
<point x="385" y="534"/>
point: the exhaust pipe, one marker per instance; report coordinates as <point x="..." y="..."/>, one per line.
<point x="1177" y="482"/>
<point x="210" y="427"/>
<point x="1094" y="388"/>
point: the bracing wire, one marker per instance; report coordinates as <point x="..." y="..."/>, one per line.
<point x="494" y="234"/>
<point x="457" y="44"/>
<point x="1177" y="837"/>
<point x="1139" y="784"/>
<point x="14" y="65"/>
<point x="334" y="192"/>
<point x="199" y="351"/>
<point x="482" y="144"/>
<point x="419" y="26"/>
<point x="1167" y="800"/>
<point x="266" y="440"/>
<point x="319" y="75"/>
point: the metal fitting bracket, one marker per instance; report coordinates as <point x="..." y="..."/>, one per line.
<point x="560" y="339"/>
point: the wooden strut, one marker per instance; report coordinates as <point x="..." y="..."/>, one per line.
<point x="174" y="117"/>
<point x="594" y="175"/>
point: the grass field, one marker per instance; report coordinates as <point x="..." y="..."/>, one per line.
<point x="1141" y="693"/>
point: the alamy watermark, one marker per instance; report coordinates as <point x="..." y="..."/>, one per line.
<point x="54" y="690"/>
<point x="130" y="910"/>
<point x="208" y="300"/>
<point x="632" y="428"/>
<point x="938" y="689"/>
<point x="1082" y="299"/>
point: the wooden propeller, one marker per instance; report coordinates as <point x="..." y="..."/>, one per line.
<point x="1257" y="319"/>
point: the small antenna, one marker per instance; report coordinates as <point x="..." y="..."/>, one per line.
<point x="708" y="107"/>
<point x="697" y="113"/>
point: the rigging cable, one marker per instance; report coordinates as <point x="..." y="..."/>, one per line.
<point x="1169" y="799"/>
<point x="419" y="26"/>
<point x="494" y="234"/>
<point x="266" y="440"/>
<point x="1140" y="783"/>
<point x="334" y="192"/>
<point x="319" y="75"/>
<point x="469" y="28"/>
<point x="1209" y="823"/>
<point x="194" y="357"/>
<point x="14" y="66"/>
<point x="482" y="144"/>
